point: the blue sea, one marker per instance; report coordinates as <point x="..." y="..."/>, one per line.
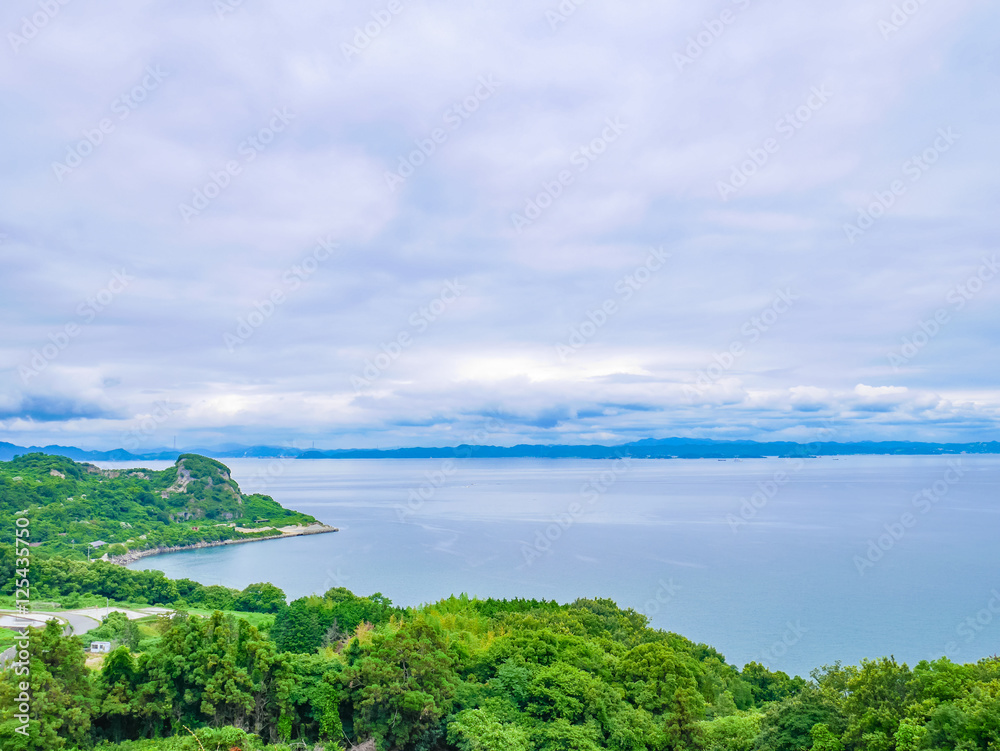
<point x="795" y="563"/>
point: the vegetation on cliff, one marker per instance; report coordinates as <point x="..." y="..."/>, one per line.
<point x="80" y="511"/>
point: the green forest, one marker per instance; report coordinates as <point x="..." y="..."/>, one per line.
<point x="74" y="507"/>
<point x="335" y="670"/>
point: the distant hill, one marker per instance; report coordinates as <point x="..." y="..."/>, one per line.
<point x="648" y="448"/>
<point x="671" y="448"/>
<point x="8" y="451"/>
<point x="80" y="511"/>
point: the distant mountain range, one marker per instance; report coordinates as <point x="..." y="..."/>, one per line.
<point x="649" y="448"/>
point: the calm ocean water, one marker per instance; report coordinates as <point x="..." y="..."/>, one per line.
<point x="794" y="563"/>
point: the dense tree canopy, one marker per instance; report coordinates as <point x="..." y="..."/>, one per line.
<point x="472" y="675"/>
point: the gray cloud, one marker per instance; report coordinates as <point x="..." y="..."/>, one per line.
<point x="147" y="108"/>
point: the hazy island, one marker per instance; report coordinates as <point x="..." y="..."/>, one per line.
<point x="647" y="448"/>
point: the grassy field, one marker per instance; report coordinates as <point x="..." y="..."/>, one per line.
<point x="92" y="601"/>
<point x="260" y="620"/>
<point x="7" y="602"/>
<point x="7" y="638"/>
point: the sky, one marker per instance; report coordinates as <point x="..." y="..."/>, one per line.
<point x="404" y="223"/>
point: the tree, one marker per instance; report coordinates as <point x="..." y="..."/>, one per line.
<point x="736" y="732"/>
<point x="260" y="598"/>
<point x="724" y="705"/>
<point x="216" y="670"/>
<point x="767" y="686"/>
<point x="787" y="725"/>
<point x="560" y="735"/>
<point x="824" y="739"/>
<point x="402" y="686"/>
<point x="478" y="730"/>
<point x="653" y="673"/>
<point x="910" y="736"/>
<point x="687" y="707"/>
<point x="314" y="693"/>
<point x="949" y="728"/>
<point x="982" y="708"/>
<point x="297" y="629"/>
<point x="875" y="703"/>
<point x="117" y="689"/>
<point x="62" y="696"/>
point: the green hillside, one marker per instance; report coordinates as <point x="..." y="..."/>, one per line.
<point x="73" y="508"/>
<point x="334" y="671"/>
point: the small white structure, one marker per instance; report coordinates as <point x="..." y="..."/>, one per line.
<point x="97" y="543"/>
<point x="100" y="647"/>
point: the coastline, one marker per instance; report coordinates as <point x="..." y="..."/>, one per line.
<point x="134" y="555"/>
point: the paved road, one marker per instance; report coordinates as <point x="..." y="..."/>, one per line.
<point x="75" y="624"/>
<point x="83" y="620"/>
<point x="78" y="624"/>
<point x="17" y="621"/>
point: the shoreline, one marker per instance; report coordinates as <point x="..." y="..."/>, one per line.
<point x="135" y="555"/>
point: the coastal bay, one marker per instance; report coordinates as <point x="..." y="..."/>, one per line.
<point x="759" y="558"/>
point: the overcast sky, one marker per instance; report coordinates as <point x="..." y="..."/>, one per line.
<point x="427" y="223"/>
